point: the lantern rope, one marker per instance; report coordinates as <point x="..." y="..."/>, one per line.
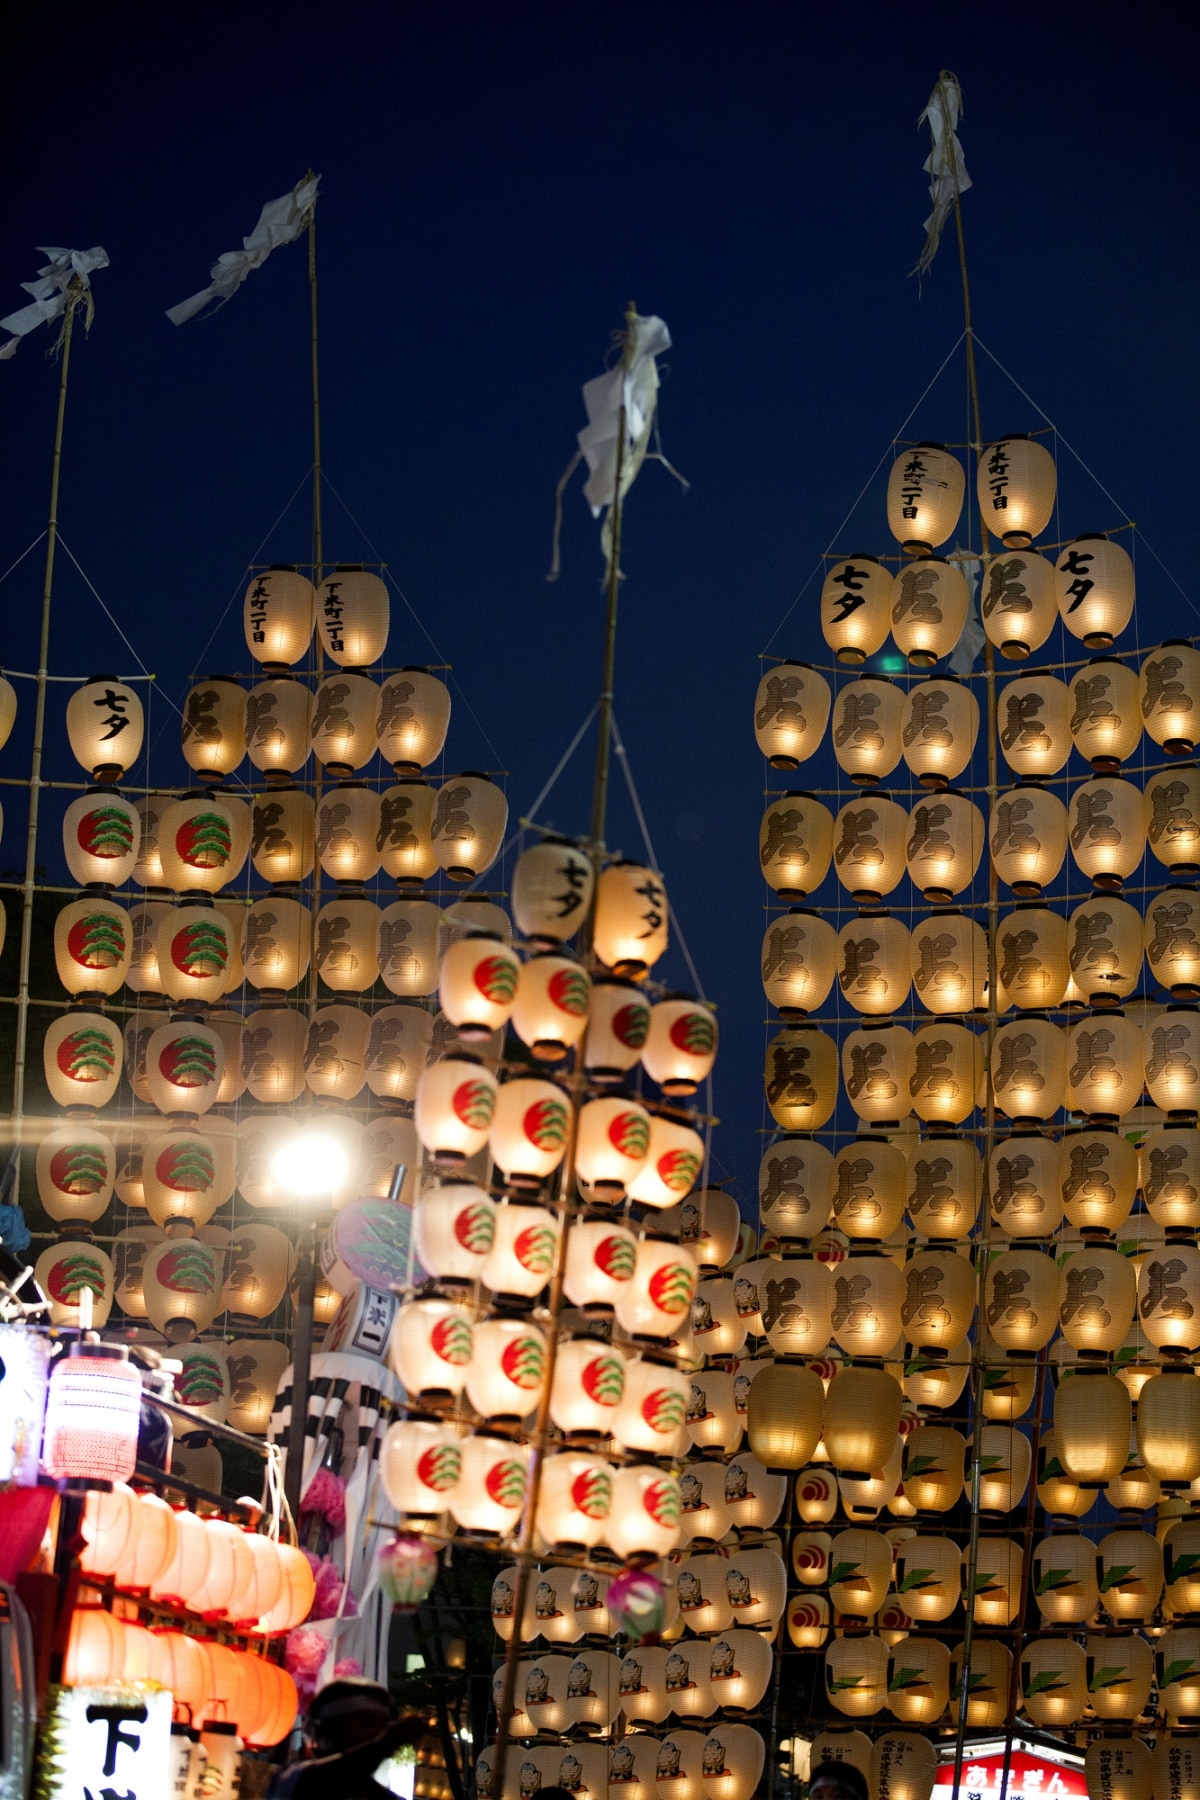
<point x="16" y="565"/>
<point x="289" y="503"/>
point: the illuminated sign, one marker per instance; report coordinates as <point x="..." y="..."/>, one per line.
<point x="108" y="1743"/>
<point x="1034" y="1773"/>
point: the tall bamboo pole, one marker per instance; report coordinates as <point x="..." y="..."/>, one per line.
<point x="75" y="296"/>
<point x="604" y="724"/>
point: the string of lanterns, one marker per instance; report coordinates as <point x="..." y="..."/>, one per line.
<point x="903" y="1246"/>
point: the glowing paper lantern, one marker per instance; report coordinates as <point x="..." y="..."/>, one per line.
<point x="924" y="497"/>
<point x="791" y="709"/>
<point x="523" y="1250"/>
<point x="681" y="1046"/>
<point x="947" y="1072"/>
<point x="674" y="1163"/>
<point x="469" y="819"/>
<point x="1018" y="607"/>
<point x="347" y="944"/>
<point x="941" y="723"/>
<point x="862" y="1418"/>
<point x="1033" y="714"/>
<point x="1031" y="957"/>
<point x="868" y="723"/>
<point x="870" y="835"/>
<point x="347" y="831"/>
<point x="184" y="1178"/>
<point x="278" y="615"/>
<point x="1094" y="582"/>
<point x="1105" y="955"/>
<point x="948" y="958"/>
<point x="1029" y="1069"/>
<point x="403" y="837"/>
<point x="277" y="943"/>
<point x="1092" y="1419"/>
<point x="550" y="1011"/>
<point x="644" y="1520"/>
<point x="92" y="1410"/>
<point x="352" y="616"/>
<point x="182" y="1281"/>
<point x="873" y="963"/>
<point x="795" y="844"/>
<point x="213" y="727"/>
<point x="799" y="955"/>
<point x="656" y="1302"/>
<point x="407" y="947"/>
<point x="342" y="733"/>
<point x="76" y="1167"/>
<point x="455" y="1104"/>
<point x="105" y="725"/>
<point x="877" y="1066"/>
<point x="1170" y="1165"/>
<point x="794" y="1187"/>
<point x="101" y="835"/>
<point x="612" y="1145"/>
<point x="1168" y="1419"/>
<point x="82" y="1056"/>
<point x="856" y="1675"/>
<point x="1104" y="1066"/>
<point x="589" y="1380"/>
<point x="1106" y="829"/>
<point x="1099" y="1178"/>
<point x="278" y="725"/>
<point x="1105" y="721"/>
<point x="929" y="609"/>
<point x="507" y="1370"/>
<point x="944" y="841"/>
<point x="1028" y="838"/>
<point x="1173" y="1061"/>
<point x="630" y="928"/>
<point x="856" y="607"/>
<point x="414" y="716"/>
<point x="194" y="946"/>
<point x="1021" y="1298"/>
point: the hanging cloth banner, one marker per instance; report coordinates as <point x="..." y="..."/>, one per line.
<point x="50" y="292"/>
<point x="944" y="165"/>
<point x="632" y="384"/>
<point x="280" y="222"/>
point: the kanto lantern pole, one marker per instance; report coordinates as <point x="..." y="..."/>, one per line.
<point x="604" y="723"/>
<point x="318" y="538"/>
<point x="75" y="294"/>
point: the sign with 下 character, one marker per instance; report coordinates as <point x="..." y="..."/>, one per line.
<point x="107" y="1743"/>
<point x="1034" y="1773"/>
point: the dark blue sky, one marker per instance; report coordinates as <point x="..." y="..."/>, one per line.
<point x="497" y="182"/>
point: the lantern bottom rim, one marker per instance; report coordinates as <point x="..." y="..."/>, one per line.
<point x="1015" y="650"/>
<point x="780" y="761"/>
<point x="1098" y="640"/>
<point x="850" y="656"/>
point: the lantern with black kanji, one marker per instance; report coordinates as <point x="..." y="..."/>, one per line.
<point x="630" y="929"/>
<point x="1099" y="1178"/>
<point x="795" y="844"/>
<point x="877" y="1066"/>
<point x="930" y="600"/>
<point x="1032" y="718"/>
<point x="794" y="1187"/>
<point x="347" y="943"/>
<point x="945" y="1177"/>
<point x="799" y="960"/>
<point x="469" y="818"/>
<point x="1106" y="829"/>
<point x="870" y="836"/>
<point x="1105" y="719"/>
<point x="278" y="725"/>
<point x="947" y="1070"/>
<point x="1027" y="836"/>
<point x="1029" y="1068"/>
<point x="868" y="720"/>
<point x="552" y="887"/>
<point x="1170" y="696"/>
<point x="948" y="957"/>
<point x="1094" y="582"/>
<point x="924" y="497"/>
<point x="278" y="613"/>
<point x="1172" y="1043"/>
<point x="1171" y="810"/>
<point x="791" y="709"/>
<point x="873" y="959"/>
<point x="1018" y="607"/>
<point x="213" y="727"/>
<point x="801" y="1078"/>
<point x="105" y="726"/>
<point x="856" y="607"/>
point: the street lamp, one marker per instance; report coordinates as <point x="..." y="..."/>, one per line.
<point x="308" y="1167"/>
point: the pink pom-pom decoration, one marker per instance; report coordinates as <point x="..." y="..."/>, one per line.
<point x="408" y="1568"/>
<point x="349" y="1665"/>
<point x="637" y="1603"/>
<point x="303" y="1657"/>
<point x="326" y="1494"/>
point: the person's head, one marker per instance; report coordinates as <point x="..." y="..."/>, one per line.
<point x="348" y="1712"/>
<point x="837" y="1781"/>
<point x="555" y="1793"/>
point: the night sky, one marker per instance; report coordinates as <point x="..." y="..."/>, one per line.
<point x="497" y="182"/>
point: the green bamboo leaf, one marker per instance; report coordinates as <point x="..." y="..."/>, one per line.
<point x="1047" y="1679"/>
<point x="841" y="1570"/>
<point x="915" y="1578"/>
<point x="1115" y="1576"/>
<point x="1054" y="1578"/>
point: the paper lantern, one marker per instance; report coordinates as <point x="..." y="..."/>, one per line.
<point x="681" y="1046"/>
<point x="1092" y="1420"/>
<point x="575" y="1501"/>
<point x="278" y="725"/>
<point x="194" y="946"/>
<point x="342" y="734"/>
<point x="1018" y="608"/>
<point x="644" y="1521"/>
<point x="185" y="1179"/>
<point x="147" y="870"/>
<point x="105" y="726"/>
<point x="791" y="710"/>
<point x="1175" y="1766"/>
<point x="1021" y="1296"/>
<point x="141" y="973"/>
<point x="213" y="727"/>
<point x="944" y="841"/>
<point x="740" y="1664"/>
<point x="1120" y="1673"/>
<point x="347" y="940"/>
<point x="941" y="723"/>
<point x="1171" y="944"/>
<point x="924" y="497"/>
<point x="414" y="716"/>
<point x="298" y="1591"/>
<point x="336" y="1051"/>
<point x="1061" y="1496"/>
<point x="948" y="959"/>
<point x="1094" y="583"/>
<point x="101" y="836"/>
<point x="184" y="1067"/>
<point x="8" y="710"/>
<point x="1167" y="1285"/>
<point x="1064" y="1579"/>
<point x="277" y="943"/>
<point x="407" y="947"/>
<point x="397" y="1051"/>
<point x="454" y="1226"/>
<point x="550" y="1011"/>
<point x="794" y="1187"/>
<point x="92" y="1409"/>
<point x="278" y="615"/>
<point x="469" y="819"/>
<point x="989" y="1682"/>
<point x="795" y="844"/>
<point x="1173" y="1061"/>
<point x="1171" y="810"/>
<point x="478" y="984"/>
<point x="754" y="1495"/>
<point x="1170" y="1166"/>
<point x="816" y="1498"/>
<point x="1028" y="838"/>
<point x="877" y="1066"/>
<point x="785" y="1415"/>
<point x="1031" y="957"/>
<point x="935" y="1381"/>
<point x="933" y="1467"/>
<point x="930" y="600"/>
<point x="674" y="1163"/>
<point x="1007" y="1461"/>
<point x="947" y="1072"/>
<point x="387" y="1145"/>
<point x="1106" y="938"/>
<point x="524" y="1249"/>
<point x="82" y="1054"/>
<point x="402" y="837"/>
<point x="552" y="889"/>
<point x="1099" y="1293"/>
<point x="1016" y="482"/>
<point x="1120" y="1768"/>
<point x="1131" y="1576"/>
<point x="868" y="1295"/>
<point x="856" y="607"/>
<point x="1168" y="1425"/>
<point x="928" y="1577"/>
<point x="182" y="1281"/>
<point x="860" y="1572"/>
<point x="656" y="1302"/>
<point x="712" y="1419"/>
<point x="455" y="1104"/>
<point x="1033" y="714"/>
<point x="1029" y="1068"/>
<point x="431" y="1346"/>
<point x="255" y="1368"/>
<point x="259" y="1264"/>
<point x="869" y="847"/>
<point x="873" y="963"/>
<point x="630" y="927"/>
<point x="1177" y="1654"/>
<point x="799" y="957"/>
<point x="95" y="1649"/>
<point x="273" y="1054"/>
<point x="939" y="1299"/>
<point x="650" y="1417"/>
<point x="347" y="831"/>
<point x="856" y="1675"/>
<point x="1105" y="722"/>
<point x="919" y="1680"/>
<point x="868" y="723"/>
<point x="76" y="1167"/>
<point x="1106" y="829"/>
<point x="352" y="616"/>
<point x="868" y="1181"/>
<point x="862" y="1417"/>
<point x="589" y="1380"/>
<point x="732" y="1762"/>
<point x="507" y="1370"/>
<point x="601" y="1258"/>
<point x="129" y="1254"/>
<point x="1104" y="1066"/>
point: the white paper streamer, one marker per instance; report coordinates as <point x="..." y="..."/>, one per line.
<point x="50" y="291"/>
<point x="636" y="388"/>
<point x="280" y="222"/>
<point x="944" y="165"/>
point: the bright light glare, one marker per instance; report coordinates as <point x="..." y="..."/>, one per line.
<point x="311" y="1165"/>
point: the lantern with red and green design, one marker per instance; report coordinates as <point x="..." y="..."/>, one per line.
<point x="601" y="1259"/>
<point x="682" y="1044"/>
<point x="552" y="887"/>
<point x="508" y="1369"/>
<point x="612" y="1144"/>
<point x="430" y="1347"/>
<point x="523" y="1253"/>
<point x="203" y="1381"/>
<point x="196" y="844"/>
<point x="575" y="1500"/>
<point x="645" y="1519"/>
<point x="184" y="1179"/>
<point x="420" y="1461"/>
<point x="195" y="952"/>
<point x="653" y="1408"/>
<point x="184" y="1064"/>
<point x="93" y="945"/>
<point x="181" y="1281"/>
<point x="454" y="1225"/>
<point x="550" y="1013"/>
<point x="455" y="1106"/>
<point x="674" y="1163"/>
<point x="82" y="1056"/>
<point x="657" y="1302"/>
<point x="530" y="1129"/>
<point x="491" y="1490"/>
<point x="589" y="1381"/>
<point x="69" y="1270"/>
<point x="101" y="835"/>
<point x="76" y="1172"/>
<point x="477" y="986"/>
<point x="618" y="1026"/>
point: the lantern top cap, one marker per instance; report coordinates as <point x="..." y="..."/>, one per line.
<point x="101" y="1352"/>
<point x="289" y="568"/>
<point x="1087" y="537"/>
<point x="1176" y="643"/>
<point x="348" y="569"/>
<point x="928" y="444"/>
